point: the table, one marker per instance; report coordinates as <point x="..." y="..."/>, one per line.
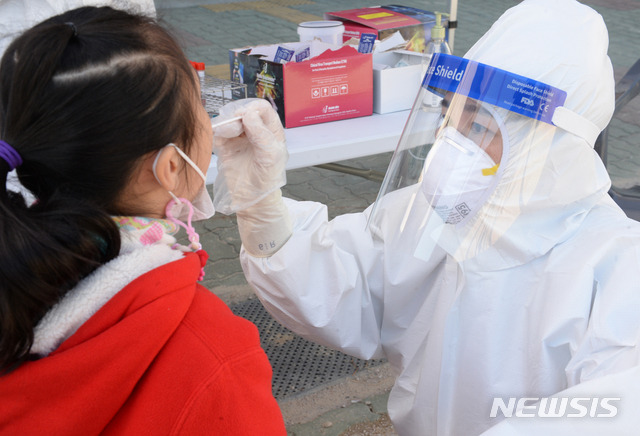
<point x="335" y="141"/>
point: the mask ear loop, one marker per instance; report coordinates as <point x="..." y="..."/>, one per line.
<point x="194" y="238"/>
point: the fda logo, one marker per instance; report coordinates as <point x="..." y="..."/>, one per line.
<point x="527" y="101"/>
<point x="577" y="407"/>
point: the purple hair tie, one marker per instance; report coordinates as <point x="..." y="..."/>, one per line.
<point x="10" y="155"/>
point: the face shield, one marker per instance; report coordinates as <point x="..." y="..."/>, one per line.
<point x="462" y="171"/>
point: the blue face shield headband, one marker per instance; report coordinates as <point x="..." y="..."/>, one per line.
<point x="518" y="94"/>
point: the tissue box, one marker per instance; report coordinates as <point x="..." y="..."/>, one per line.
<point x="413" y="24"/>
<point x="336" y="85"/>
<point x="395" y="88"/>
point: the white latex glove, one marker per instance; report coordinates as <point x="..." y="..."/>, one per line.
<point x="252" y="155"/>
<point x="265" y="226"/>
<point x="251" y="152"/>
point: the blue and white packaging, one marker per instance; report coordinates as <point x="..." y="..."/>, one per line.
<point x="367" y="40"/>
<point x="302" y="54"/>
<point x="283" y="55"/>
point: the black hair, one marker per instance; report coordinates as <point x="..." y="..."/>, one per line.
<point x="85" y="96"/>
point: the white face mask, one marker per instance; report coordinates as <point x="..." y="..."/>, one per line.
<point x="202" y="205"/>
<point x="457" y="175"/>
<point x="181" y="210"/>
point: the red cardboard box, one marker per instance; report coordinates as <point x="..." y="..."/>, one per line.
<point x="413" y="24"/>
<point x="333" y="86"/>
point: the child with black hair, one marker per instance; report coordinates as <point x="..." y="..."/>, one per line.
<point x="104" y="328"/>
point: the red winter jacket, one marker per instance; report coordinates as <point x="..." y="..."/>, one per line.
<point x="164" y="356"/>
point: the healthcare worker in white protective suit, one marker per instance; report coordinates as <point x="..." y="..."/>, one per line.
<point x="493" y="274"/>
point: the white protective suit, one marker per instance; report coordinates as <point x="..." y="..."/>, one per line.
<point x="549" y="306"/>
<point x="17" y="16"/>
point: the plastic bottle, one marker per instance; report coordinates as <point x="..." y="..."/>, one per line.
<point x="200" y="69"/>
<point x="436" y="45"/>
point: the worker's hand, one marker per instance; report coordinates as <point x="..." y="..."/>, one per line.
<point x="251" y="153"/>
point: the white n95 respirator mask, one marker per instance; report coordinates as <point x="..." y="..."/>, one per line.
<point x="457" y="173"/>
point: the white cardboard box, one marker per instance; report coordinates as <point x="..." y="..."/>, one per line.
<point x="395" y="88"/>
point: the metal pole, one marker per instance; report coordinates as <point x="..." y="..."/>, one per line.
<point x="453" y="21"/>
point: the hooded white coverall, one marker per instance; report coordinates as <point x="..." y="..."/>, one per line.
<point x="546" y="304"/>
<point x="16" y="16"/>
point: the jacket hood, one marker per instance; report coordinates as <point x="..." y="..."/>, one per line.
<point x="80" y="386"/>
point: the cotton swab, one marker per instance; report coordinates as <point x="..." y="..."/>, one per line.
<point x="222" y="123"/>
